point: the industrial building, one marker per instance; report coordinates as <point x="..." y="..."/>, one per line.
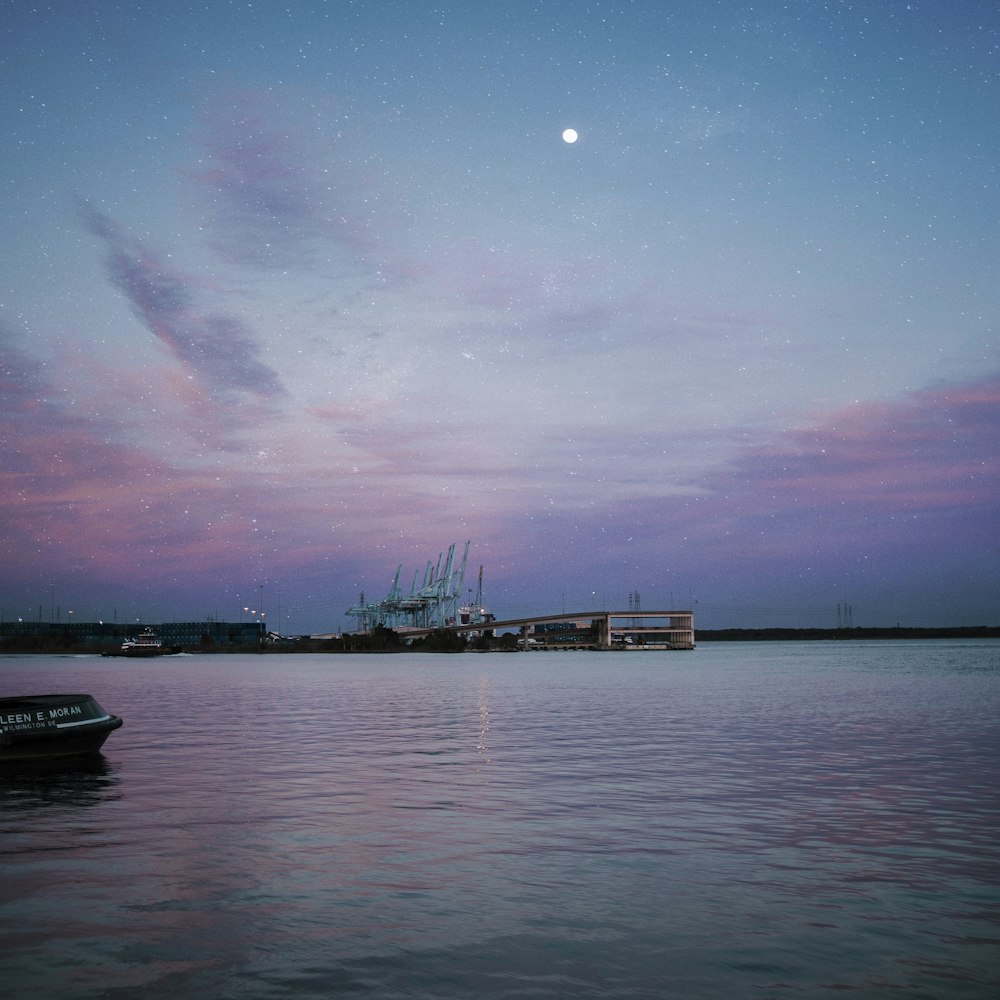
<point x="187" y="634"/>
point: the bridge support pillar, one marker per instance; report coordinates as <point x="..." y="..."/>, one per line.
<point x="604" y="631"/>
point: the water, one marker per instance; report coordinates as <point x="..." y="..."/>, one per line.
<point x="744" y="820"/>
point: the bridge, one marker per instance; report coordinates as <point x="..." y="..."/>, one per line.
<point x="633" y="629"/>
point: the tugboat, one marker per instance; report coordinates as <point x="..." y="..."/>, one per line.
<point x="50" y="726"/>
<point x="147" y="643"/>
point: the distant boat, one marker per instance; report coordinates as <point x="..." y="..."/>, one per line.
<point x="50" y="726"/>
<point x="147" y="643"/>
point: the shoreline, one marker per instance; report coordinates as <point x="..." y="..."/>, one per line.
<point x="58" y="644"/>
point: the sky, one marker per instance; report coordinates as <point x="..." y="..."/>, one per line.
<point x="294" y="294"/>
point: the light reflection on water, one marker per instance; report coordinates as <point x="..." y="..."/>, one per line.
<point x="764" y="819"/>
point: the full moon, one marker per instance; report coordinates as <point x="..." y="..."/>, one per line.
<point x="570" y="135"/>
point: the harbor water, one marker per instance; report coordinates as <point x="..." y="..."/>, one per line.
<point x="743" y="820"/>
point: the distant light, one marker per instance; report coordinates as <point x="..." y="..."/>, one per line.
<point x="570" y="135"/>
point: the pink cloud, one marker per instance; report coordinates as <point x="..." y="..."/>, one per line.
<point x="879" y="490"/>
<point x="936" y="448"/>
<point x="902" y="483"/>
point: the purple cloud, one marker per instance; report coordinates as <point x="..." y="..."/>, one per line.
<point x="217" y="349"/>
<point x="60" y="474"/>
<point x="906" y="489"/>
<point x="277" y="202"/>
<point x="934" y="449"/>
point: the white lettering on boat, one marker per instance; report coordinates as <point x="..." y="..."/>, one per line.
<point x="63" y="710"/>
<point x="15" y="717"/>
<point x="59" y="717"/>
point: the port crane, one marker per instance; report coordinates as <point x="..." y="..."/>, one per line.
<point x="432" y="604"/>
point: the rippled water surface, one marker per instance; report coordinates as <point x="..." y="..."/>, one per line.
<point x="744" y="820"/>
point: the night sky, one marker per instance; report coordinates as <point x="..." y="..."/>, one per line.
<point x="292" y="294"/>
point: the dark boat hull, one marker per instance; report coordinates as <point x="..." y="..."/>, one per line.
<point x="49" y="727"/>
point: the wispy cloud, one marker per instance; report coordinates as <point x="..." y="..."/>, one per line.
<point x="936" y="448"/>
<point x="911" y="483"/>
<point x="216" y="348"/>
<point x="61" y="474"/>
<point x="277" y="202"/>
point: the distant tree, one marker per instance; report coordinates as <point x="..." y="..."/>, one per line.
<point x="382" y="640"/>
<point x="441" y="641"/>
